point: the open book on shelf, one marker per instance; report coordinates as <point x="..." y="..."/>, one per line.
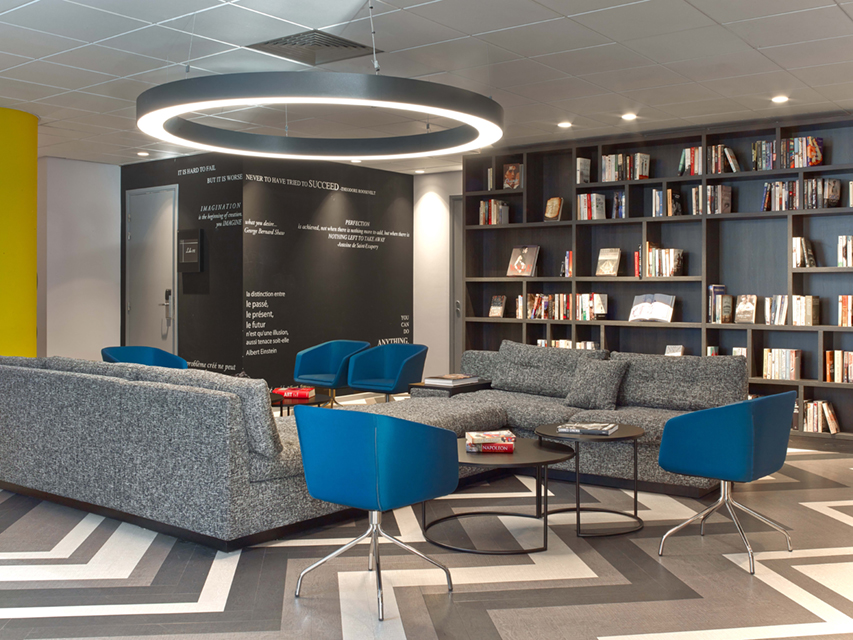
<point x="653" y="307"/>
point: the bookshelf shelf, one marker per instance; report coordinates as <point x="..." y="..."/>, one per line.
<point x="749" y="251"/>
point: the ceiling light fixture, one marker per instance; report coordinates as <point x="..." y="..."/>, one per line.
<point x="356" y="161"/>
<point x="564" y="125"/>
<point x="419" y="170"/>
<point x="160" y="112"/>
<point x="629" y="116"/>
<point x="143" y="154"/>
<point x="780" y="99"/>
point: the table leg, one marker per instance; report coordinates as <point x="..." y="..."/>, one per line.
<point x="578" y="488"/>
<point x="538" y="492"/>
<point x="545" y="501"/>
<point x="635" y="477"/>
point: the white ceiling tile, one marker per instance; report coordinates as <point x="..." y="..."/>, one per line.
<point x="397" y="30"/>
<point x="733" y="10"/>
<point x="608" y="57"/>
<point x="320" y="127"/>
<point x="69" y="134"/>
<point x="725" y="66"/>
<point x="515" y="72"/>
<point x="458" y="54"/>
<point x="579" y="123"/>
<point x="103" y="60"/>
<point x="391" y="64"/>
<point x="7" y="61"/>
<point x="721" y="118"/>
<point x="315" y="15"/>
<point x="170" y="73"/>
<point x="545" y="37"/>
<point x="150" y="10"/>
<point x="25" y="91"/>
<point x="825" y="74"/>
<point x="229" y="23"/>
<point x="808" y="54"/>
<point x="640" y="78"/>
<point x="644" y="114"/>
<point x="33" y="44"/>
<point x="104" y="120"/>
<point x="8" y="5"/>
<point x="86" y="101"/>
<point x="847" y="105"/>
<point x="645" y="19"/>
<point x="410" y="128"/>
<point x="611" y="102"/>
<point x="796" y="98"/>
<point x="165" y="44"/>
<point x="673" y="94"/>
<point x="45" y="140"/>
<point x="687" y="45"/>
<point x="473" y="17"/>
<point x="124" y="138"/>
<point x="48" y="113"/>
<point x="70" y="20"/>
<point x="245" y="60"/>
<point x="222" y="123"/>
<point x="837" y="92"/>
<point x="577" y="7"/>
<point x="55" y="75"/>
<point x="652" y="125"/>
<point x="125" y="89"/>
<point x="538" y="112"/>
<point x="554" y="90"/>
<point x="702" y="107"/>
<point x="773" y="83"/>
<point x="818" y="108"/>
<point x="814" y="24"/>
<point x="124" y="112"/>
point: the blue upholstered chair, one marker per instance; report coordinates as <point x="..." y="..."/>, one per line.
<point x="143" y="355"/>
<point x="326" y="365"/>
<point x="376" y="463"/>
<point x="389" y="368"/>
<point x="739" y="442"/>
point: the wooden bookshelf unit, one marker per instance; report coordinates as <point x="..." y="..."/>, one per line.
<point x="749" y="250"/>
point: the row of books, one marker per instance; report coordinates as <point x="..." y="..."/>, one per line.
<point x="782" y="364"/>
<point x="494" y="212"/>
<point x="803" y="253"/>
<point x="566" y="265"/>
<point x="805" y="311"/>
<point x="587" y="345"/>
<point x="718" y="199"/>
<point x="690" y="163"/>
<point x="662" y="263"/>
<point x="590" y="306"/>
<point x="664" y="206"/>
<point x="624" y="166"/>
<point x="776" y="309"/>
<point x="818" y="416"/>
<point x="845" y="251"/>
<point x="806" y="151"/>
<point x="839" y="366"/>
<point x="721" y="159"/>
<point x="821" y="193"/>
<point x="301" y="393"/>
<point x="782" y="195"/>
<point x="591" y="206"/>
<point x="845" y="311"/>
<point x="763" y="155"/>
<point x="555" y="306"/>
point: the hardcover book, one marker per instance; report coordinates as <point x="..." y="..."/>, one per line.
<point x="583" y="165"/>
<point x="496" y="310"/>
<point x="295" y="392"/>
<point x="522" y="262"/>
<point x="654" y="307"/>
<point x="553" y="208"/>
<point x="452" y="380"/>
<point x="513" y="175"/>
<point x="745" y="309"/>
<point x="674" y="350"/>
<point x="588" y="428"/>
<point x="608" y="262"/>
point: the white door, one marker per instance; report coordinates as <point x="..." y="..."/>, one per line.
<point x="150" y="275"/>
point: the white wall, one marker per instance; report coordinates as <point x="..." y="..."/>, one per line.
<point x="79" y="208"/>
<point x="432" y="266"/>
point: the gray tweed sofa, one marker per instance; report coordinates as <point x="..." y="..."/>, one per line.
<point x="192" y="453"/>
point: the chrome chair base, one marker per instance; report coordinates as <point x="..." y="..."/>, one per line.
<point x="729" y="502"/>
<point x="374" y="530"/>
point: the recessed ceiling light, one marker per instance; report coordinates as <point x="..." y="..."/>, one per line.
<point x="780" y="99"/>
<point x="419" y="170"/>
<point x="564" y="125"/>
<point x="356" y="161"/>
<point x="143" y="154"/>
<point x="629" y="116"/>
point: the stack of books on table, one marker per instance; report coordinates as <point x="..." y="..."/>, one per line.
<point x="302" y="393"/>
<point x="452" y="380"/>
<point x="489" y="441"/>
<point x="588" y="429"/>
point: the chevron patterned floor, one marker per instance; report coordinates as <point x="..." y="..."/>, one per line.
<point x="69" y="574"/>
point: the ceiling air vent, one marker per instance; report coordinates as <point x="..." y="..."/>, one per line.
<point x="313" y="47"/>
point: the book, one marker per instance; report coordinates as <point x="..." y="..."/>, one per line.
<point x="739" y="351"/>
<point x="295" y="392"/>
<point x="599" y="305"/>
<point x="522" y="262"/>
<point x="608" y="262"/>
<point x="583" y="165"/>
<point x="553" y="208"/>
<point x="745" y="309"/>
<point x="496" y="310"/>
<point x="674" y="350"/>
<point x="490" y="179"/>
<point x="712" y="351"/>
<point x="513" y="175"/>
<point x="589" y="428"/>
<point x="489" y="441"/>
<point x="726" y="314"/>
<point x="490" y="447"/>
<point x="452" y="380"/>
<point x="714" y="291"/>
<point x="654" y="307"/>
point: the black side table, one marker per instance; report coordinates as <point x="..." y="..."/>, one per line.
<point x="528" y="453"/>
<point x="623" y="433"/>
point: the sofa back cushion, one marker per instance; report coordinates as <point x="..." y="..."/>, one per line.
<point x="18" y="361"/>
<point x="596" y="383"/>
<point x="543" y="371"/>
<point x="92" y="367"/>
<point x="480" y="363"/>
<point x="685" y="383"/>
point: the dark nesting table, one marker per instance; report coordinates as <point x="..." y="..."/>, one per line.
<point x="453" y="390"/>
<point x="528" y="453"/>
<point x="282" y="402"/>
<point x="623" y="433"/>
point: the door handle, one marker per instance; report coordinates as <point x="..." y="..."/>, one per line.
<point x="458" y="307"/>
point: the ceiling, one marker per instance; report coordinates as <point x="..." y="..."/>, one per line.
<point x="80" y="64"/>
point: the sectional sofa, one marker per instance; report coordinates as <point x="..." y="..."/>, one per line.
<point x="200" y="454"/>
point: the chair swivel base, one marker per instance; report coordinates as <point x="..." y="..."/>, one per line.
<point x="374" y="530"/>
<point x="729" y="502"/>
<point x="333" y="400"/>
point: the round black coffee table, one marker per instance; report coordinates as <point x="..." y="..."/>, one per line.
<point x="623" y="433"/>
<point x="528" y="453"/>
<point x="277" y="400"/>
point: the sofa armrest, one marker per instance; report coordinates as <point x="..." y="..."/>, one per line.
<point x="481" y="363"/>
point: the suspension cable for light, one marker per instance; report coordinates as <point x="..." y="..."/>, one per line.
<point x="160" y="112"/>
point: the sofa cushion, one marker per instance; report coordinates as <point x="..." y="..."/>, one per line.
<point x="287" y="463"/>
<point x="686" y="383"/>
<point x="595" y="384"/>
<point x="650" y="419"/>
<point x="19" y="361"/>
<point x="522" y="410"/>
<point x="125" y="371"/>
<point x="543" y="371"/>
<point x="440" y="412"/>
<point x="480" y="363"/>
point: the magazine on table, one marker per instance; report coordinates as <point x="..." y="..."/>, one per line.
<point x="588" y="429"/>
<point x="452" y="380"/>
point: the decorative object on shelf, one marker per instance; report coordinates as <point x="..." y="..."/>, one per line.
<point x="652" y="307"/>
<point x="522" y="262"/>
<point x="674" y="350"/>
<point x="839" y="366"/>
<point x="513" y="175"/>
<point x="821" y="193"/>
<point x="496" y="310"/>
<point x="553" y="208"/>
<point x="805" y="310"/>
<point x="776" y="309"/>
<point x="745" y="309"/>
<point x="691" y="162"/>
<point x="160" y="113"/>
<point x="583" y="166"/>
<point x="608" y="262"/>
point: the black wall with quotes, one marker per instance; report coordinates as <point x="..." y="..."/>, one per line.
<point x="293" y="254"/>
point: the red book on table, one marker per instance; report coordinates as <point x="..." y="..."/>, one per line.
<point x="295" y="392"/>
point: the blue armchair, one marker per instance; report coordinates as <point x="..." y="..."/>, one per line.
<point x="326" y="365"/>
<point x="143" y="355"/>
<point x="376" y="463"/>
<point x="739" y="442"/>
<point x="389" y="368"/>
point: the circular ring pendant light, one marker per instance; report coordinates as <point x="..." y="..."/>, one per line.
<point x="160" y="113"/>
